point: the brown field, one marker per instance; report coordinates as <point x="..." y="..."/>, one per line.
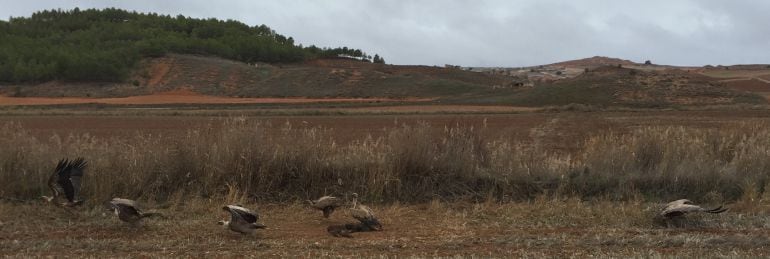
<point x="555" y="223"/>
<point x="186" y="97"/>
<point x="748" y="84"/>
<point x="558" y="130"/>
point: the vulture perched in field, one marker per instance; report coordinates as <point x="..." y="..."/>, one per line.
<point x="128" y="211"/>
<point x="364" y="214"/>
<point x="66" y="179"/>
<point x="327" y="204"/>
<point x="242" y="220"/>
<point x="681" y="207"/>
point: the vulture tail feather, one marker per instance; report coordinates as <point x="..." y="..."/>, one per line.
<point x="719" y="209"/>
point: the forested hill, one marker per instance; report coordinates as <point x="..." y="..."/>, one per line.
<point x="105" y="45"/>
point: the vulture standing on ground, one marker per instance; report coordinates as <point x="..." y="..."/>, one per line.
<point x="128" y="211"/>
<point x="364" y="214"/>
<point x="66" y="178"/>
<point x="327" y="204"/>
<point x="681" y="207"/>
<point x="242" y="220"/>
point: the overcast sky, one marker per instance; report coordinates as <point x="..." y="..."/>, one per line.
<point x="491" y="33"/>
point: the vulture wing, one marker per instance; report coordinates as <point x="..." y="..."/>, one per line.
<point x="238" y="213"/>
<point x="69" y="178"/>
<point x="362" y="213"/>
<point x="683" y="206"/>
<point x="365" y="215"/>
<point x="53" y="180"/>
<point x="328" y="201"/>
<point x="124" y="201"/>
<point x="125" y="208"/>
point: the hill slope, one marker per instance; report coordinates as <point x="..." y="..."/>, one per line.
<point x="614" y="86"/>
<point x="349" y="78"/>
<point x="593" y="62"/>
<point x="321" y="78"/>
<point x="105" y="45"/>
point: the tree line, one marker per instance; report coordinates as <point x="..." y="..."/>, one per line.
<point x="106" y="44"/>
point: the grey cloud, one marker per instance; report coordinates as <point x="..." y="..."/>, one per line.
<point x="493" y="32"/>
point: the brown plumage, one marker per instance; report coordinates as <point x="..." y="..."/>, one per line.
<point x="128" y="211"/>
<point x="66" y="179"/>
<point x="242" y="220"/>
<point x="364" y="214"/>
<point x="327" y="204"/>
<point x="681" y="207"/>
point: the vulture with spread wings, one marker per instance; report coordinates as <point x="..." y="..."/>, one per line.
<point x="66" y="179"/>
<point x="681" y="207"/>
<point x="242" y="220"/>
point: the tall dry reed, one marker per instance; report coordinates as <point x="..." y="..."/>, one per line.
<point x="412" y="163"/>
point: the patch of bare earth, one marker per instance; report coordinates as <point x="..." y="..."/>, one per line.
<point x="159" y="70"/>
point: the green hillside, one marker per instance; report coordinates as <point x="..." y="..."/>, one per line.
<point x="106" y="45"/>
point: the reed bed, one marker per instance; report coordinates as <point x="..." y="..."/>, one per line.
<point x="409" y="164"/>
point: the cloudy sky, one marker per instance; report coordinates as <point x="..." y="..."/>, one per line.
<point x="491" y="33"/>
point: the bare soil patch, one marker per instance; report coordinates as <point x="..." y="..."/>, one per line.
<point x="158" y="72"/>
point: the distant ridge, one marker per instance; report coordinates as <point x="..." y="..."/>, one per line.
<point x="595" y="61"/>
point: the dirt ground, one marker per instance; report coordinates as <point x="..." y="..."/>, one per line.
<point x="542" y="228"/>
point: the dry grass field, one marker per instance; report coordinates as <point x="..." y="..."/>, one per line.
<point x="531" y="184"/>
<point x="540" y="228"/>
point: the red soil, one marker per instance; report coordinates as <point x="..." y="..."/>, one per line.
<point x="159" y="71"/>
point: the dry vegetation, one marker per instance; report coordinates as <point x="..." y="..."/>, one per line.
<point x="410" y="163"/>
<point x="452" y="191"/>
<point x="541" y="227"/>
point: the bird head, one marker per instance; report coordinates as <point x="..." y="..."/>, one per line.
<point x="223" y="222"/>
<point x="47" y="198"/>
